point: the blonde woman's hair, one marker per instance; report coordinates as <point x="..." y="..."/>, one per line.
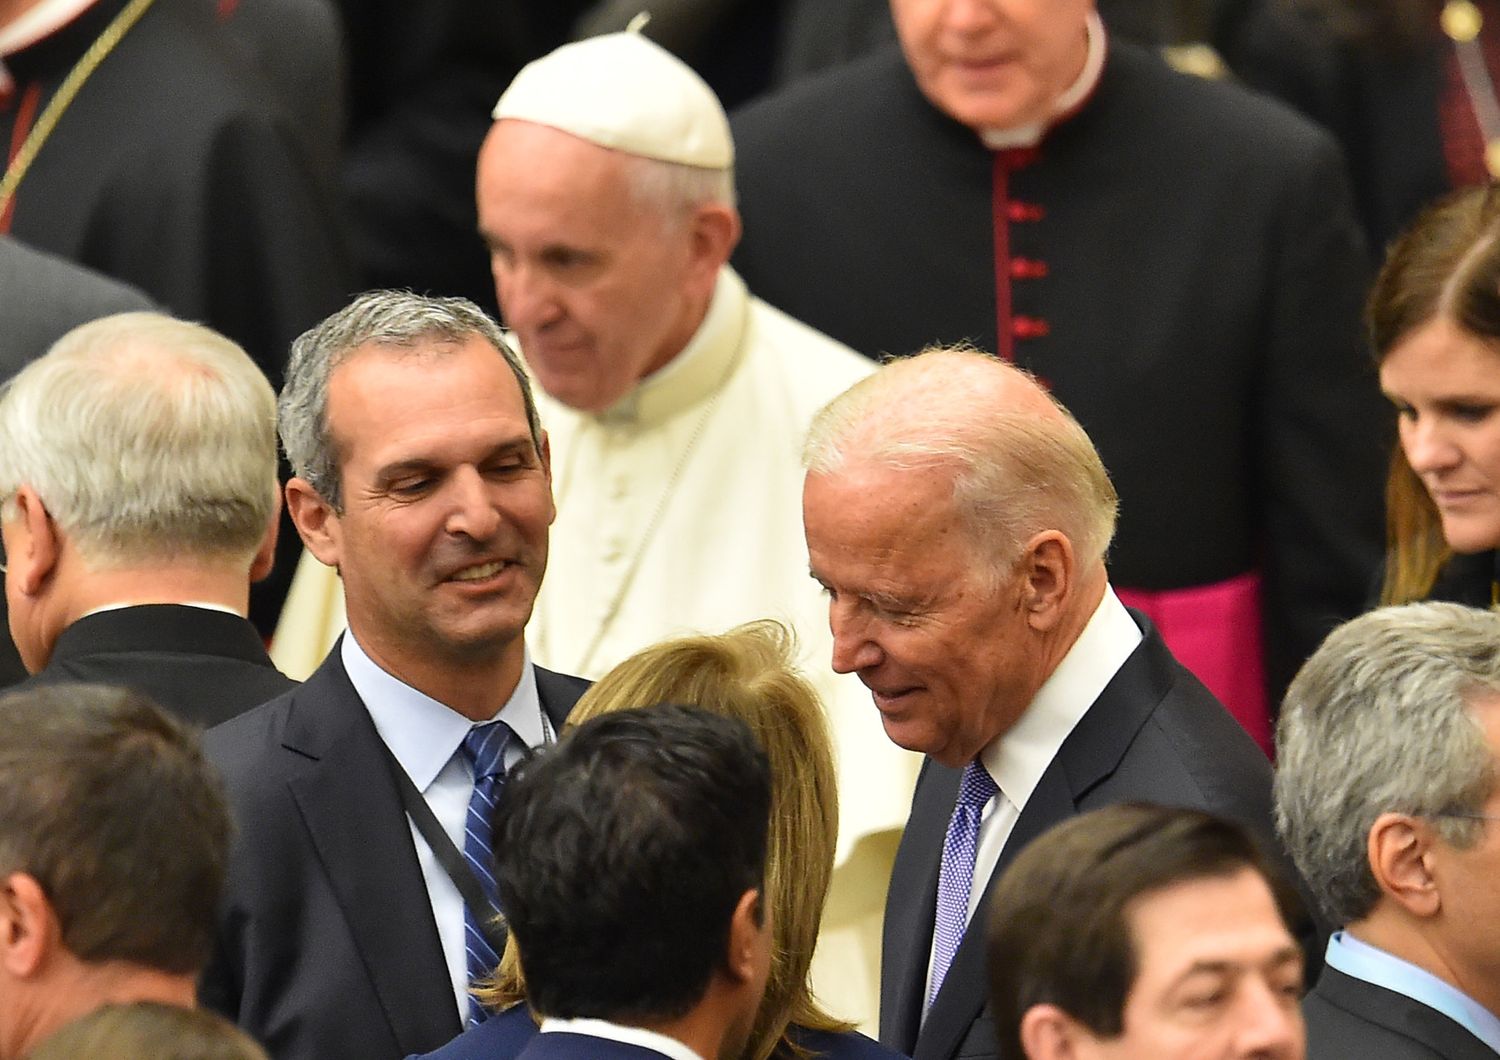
<point x="747" y="674"/>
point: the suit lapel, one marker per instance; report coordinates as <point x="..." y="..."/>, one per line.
<point x="1092" y="751"/>
<point x="360" y="833"/>
<point x="558" y="692"/>
<point x="911" y="906"/>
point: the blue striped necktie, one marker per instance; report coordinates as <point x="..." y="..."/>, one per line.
<point x="956" y="877"/>
<point x="484" y="748"/>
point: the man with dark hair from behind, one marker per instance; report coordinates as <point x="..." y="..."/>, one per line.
<point x="1140" y="932"/>
<point x="113" y="841"/>
<point x="630" y="862"/>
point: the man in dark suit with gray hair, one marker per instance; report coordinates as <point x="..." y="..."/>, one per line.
<point x="1386" y="793"/>
<point x="138" y="473"/>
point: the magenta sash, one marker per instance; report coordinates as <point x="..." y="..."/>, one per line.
<point x="1214" y="630"/>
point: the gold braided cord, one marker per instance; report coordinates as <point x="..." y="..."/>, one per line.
<point x="81" y="72"/>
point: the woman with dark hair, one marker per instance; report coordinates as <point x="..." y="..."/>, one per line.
<point x="1434" y="320"/>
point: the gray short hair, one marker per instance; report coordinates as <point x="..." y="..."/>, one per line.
<point x="674" y="190"/>
<point x="395" y="319"/>
<point x="146" y="438"/>
<point x="1017" y="473"/>
<point x="1377" y="721"/>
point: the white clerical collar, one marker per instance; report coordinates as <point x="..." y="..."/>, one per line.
<point x="40" y="22"/>
<point x="1071" y="99"/>
<point x="625" y="1035"/>
<point x="1017" y="760"/>
<point x="422" y="733"/>
<point x="699" y="370"/>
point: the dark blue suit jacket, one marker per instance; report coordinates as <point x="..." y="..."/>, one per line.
<point x="327" y="948"/>
<point x="1155" y="734"/>
<point x="1350" y="1019"/>
<point x="512" y="1034"/>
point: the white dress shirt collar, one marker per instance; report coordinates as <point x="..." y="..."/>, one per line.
<point x="1019" y="757"/>
<point x="422" y="733"/>
<point x="625" y="1035"/>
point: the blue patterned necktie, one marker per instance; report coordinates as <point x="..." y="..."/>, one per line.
<point x="484" y="749"/>
<point x="956" y="877"/>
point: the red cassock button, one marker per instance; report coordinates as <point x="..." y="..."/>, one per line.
<point x="1030" y="327"/>
<point x="1024" y="211"/>
<point x="1027" y="269"/>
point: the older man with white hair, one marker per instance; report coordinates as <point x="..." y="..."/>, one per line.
<point x="138" y="469"/>
<point x="958" y="518"/>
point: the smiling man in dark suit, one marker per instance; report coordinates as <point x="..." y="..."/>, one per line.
<point x="958" y="518"/>
<point x="1386" y="792"/>
<point x="139" y="474"/>
<point x="361" y="886"/>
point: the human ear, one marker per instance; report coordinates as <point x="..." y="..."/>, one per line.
<point x="33" y="556"/>
<point x="29" y="930"/>
<point x="748" y="928"/>
<point x="1400" y="851"/>
<point x="265" y="555"/>
<point x="316" y="522"/>
<point x="1049" y="1033"/>
<point x="715" y="230"/>
<point x="1047" y="568"/>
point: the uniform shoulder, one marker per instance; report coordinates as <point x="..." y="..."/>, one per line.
<point x="1208" y="110"/>
<point x="239" y="747"/>
<point x="857" y="94"/>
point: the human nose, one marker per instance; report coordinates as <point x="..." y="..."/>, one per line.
<point x="1428" y="445"/>
<point x="1270" y="1024"/>
<point x="473" y="512"/>
<point x="854" y="648"/>
<point x="968" y="16"/>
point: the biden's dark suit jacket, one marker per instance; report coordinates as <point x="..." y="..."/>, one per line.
<point x="1350" y="1019"/>
<point x="204" y="666"/>
<point x="327" y="947"/>
<point x="1155" y="734"/>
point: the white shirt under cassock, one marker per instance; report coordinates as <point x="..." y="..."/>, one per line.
<point x="679" y="511"/>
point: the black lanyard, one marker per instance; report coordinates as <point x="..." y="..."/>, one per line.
<point x="448" y="855"/>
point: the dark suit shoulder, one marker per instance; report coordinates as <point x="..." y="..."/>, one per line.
<point x="832" y="1045"/>
<point x="503" y="1034"/>
<point x="1229" y="117"/>
<point x="566" y="1046"/>
<point x="1350" y="1019"/>
<point x="1182" y="747"/>
<point x="239" y="746"/>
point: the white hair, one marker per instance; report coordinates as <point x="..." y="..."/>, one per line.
<point x="674" y="190"/>
<point x="1015" y="473"/>
<point x="1378" y="721"/>
<point x="146" y="438"/>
